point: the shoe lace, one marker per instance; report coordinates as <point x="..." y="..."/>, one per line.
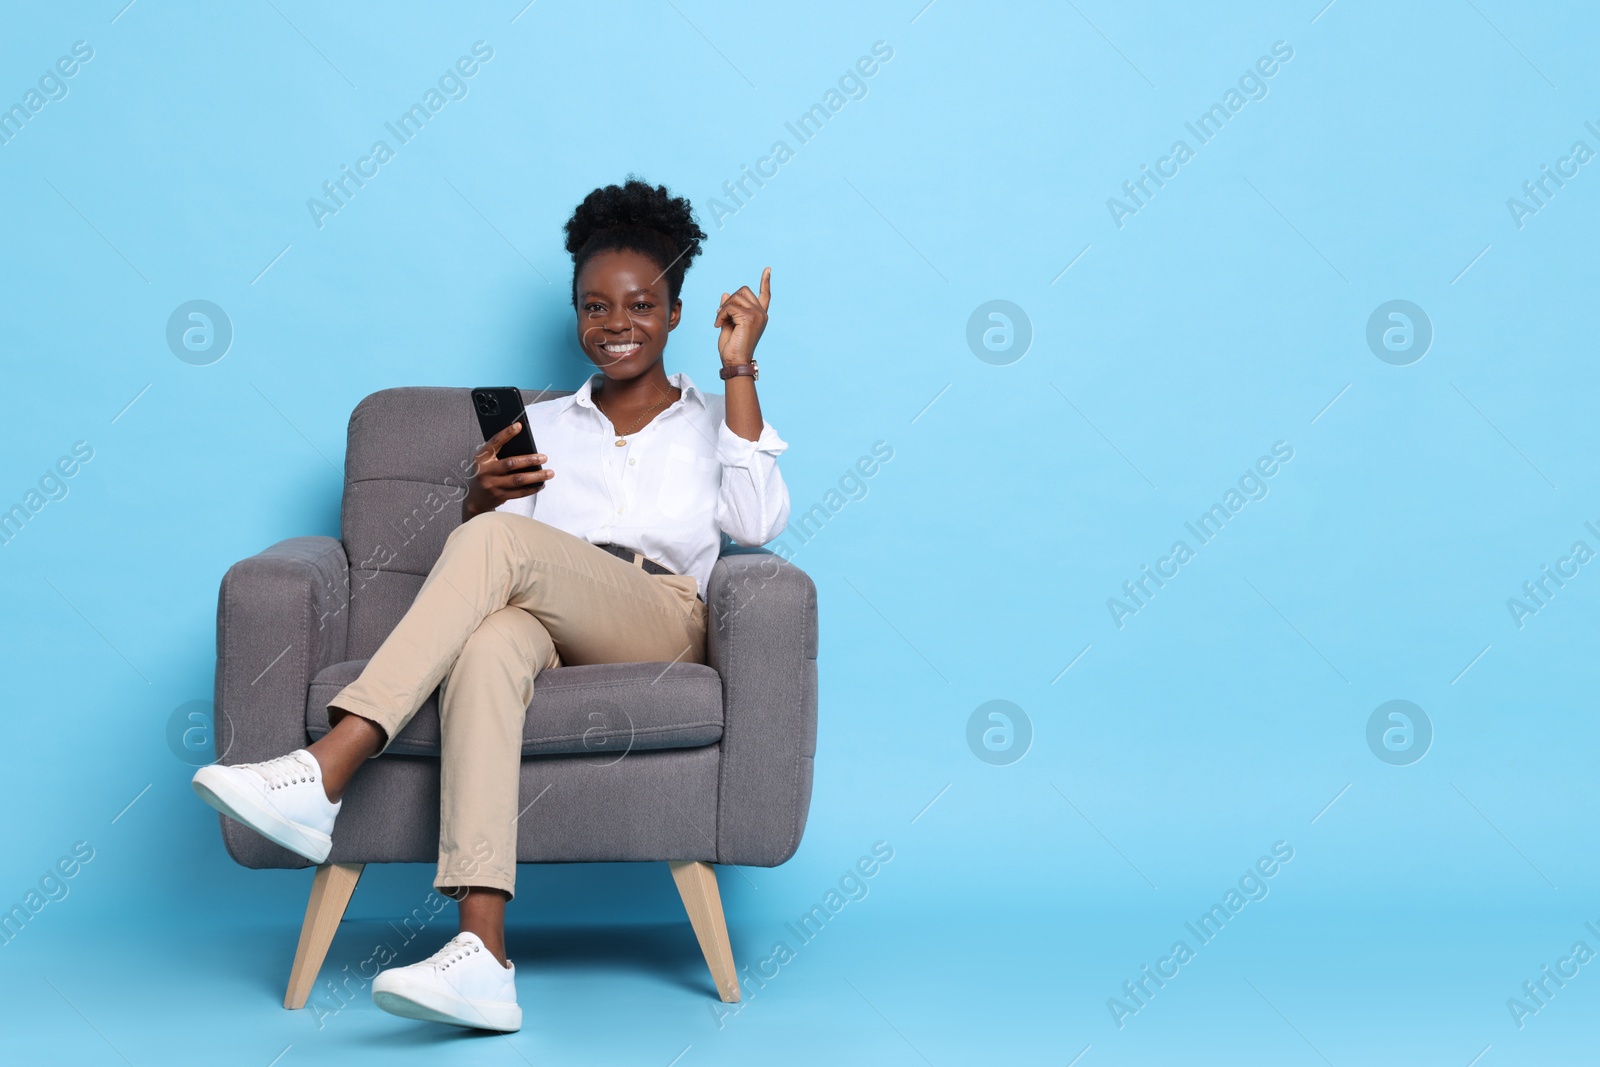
<point x="282" y="771"/>
<point x="454" y="951"/>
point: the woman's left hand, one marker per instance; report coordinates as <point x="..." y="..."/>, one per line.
<point x="742" y="317"/>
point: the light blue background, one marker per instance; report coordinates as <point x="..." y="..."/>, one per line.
<point x="1224" y="316"/>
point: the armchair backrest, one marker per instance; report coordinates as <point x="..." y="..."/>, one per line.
<point x="407" y="460"/>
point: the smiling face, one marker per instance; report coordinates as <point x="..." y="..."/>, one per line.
<point x="624" y="312"/>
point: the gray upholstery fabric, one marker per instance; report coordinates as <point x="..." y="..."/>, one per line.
<point x="312" y="609"/>
<point x="281" y="618"/>
<point x="601" y="710"/>
<point x="762" y="641"/>
<point x="648" y="806"/>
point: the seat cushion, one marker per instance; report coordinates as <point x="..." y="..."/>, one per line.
<point x="599" y="710"/>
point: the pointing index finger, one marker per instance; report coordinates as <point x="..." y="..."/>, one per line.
<point x="766" y="287"/>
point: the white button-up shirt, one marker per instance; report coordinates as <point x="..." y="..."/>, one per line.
<point x="678" y="484"/>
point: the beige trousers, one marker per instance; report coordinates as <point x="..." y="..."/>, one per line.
<point x="508" y="597"/>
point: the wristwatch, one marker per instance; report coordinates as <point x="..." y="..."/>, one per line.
<point x="737" y="370"/>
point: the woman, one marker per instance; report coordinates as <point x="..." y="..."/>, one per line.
<point x="607" y="564"/>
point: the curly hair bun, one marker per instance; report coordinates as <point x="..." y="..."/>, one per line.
<point x="639" y="217"/>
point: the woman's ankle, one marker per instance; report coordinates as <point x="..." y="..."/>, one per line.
<point x="495" y="944"/>
<point x="482" y="912"/>
<point x="355" y="731"/>
<point x="322" y="761"/>
<point x="344" y="750"/>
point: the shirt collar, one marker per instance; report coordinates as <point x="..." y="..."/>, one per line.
<point x="680" y="380"/>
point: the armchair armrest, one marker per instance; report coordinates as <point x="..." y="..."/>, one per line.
<point x="282" y="616"/>
<point x="761" y="637"/>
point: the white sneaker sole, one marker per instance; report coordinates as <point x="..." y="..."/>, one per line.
<point x="238" y="802"/>
<point x="414" y="1001"/>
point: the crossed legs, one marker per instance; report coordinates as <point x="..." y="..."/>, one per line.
<point x="486" y="695"/>
<point x="508" y="597"/>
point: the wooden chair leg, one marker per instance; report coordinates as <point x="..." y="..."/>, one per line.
<point x="330" y="895"/>
<point x="697" y="885"/>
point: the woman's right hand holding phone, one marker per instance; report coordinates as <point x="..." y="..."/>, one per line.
<point x="495" y="480"/>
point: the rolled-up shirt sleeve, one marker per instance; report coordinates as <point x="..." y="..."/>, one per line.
<point x="753" y="502"/>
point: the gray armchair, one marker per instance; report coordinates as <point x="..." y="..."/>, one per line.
<point x="691" y="764"/>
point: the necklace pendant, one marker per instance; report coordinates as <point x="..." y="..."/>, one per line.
<point x="620" y="442"/>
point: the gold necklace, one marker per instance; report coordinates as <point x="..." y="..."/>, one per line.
<point x="621" y="437"/>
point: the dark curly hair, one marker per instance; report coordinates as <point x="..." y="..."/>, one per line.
<point x="641" y="218"/>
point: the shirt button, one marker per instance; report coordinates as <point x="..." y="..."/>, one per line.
<point x="619" y="511"/>
<point x="632" y="462"/>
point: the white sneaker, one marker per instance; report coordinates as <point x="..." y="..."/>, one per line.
<point x="281" y="799"/>
<point x="462" y="984"/>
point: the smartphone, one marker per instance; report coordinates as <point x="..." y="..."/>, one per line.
<point x="497" y="408"/>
